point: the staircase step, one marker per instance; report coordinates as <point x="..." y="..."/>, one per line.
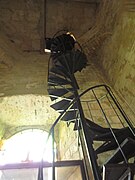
<point x="116" y="171"/>
<point x="72" y="61"/>
<point x="64" y="103"/>
<point x="128" y="148"/>
<point x="60" y="71"/>
<point x="61" y="105"/>
<point x="81" y="60"/>
<point x="53" y="97"/>
<point x="66" y="60"/>
<point x="71" y="109"/>
<point x="58" y="63"/>
<point x="70" y="116"/>
<point x="107" y="146"/>
<point x="62" y="43"/>
<point x="59" y="92"/>
<point x="106" y="135"/>
<point x="57" y="80"/>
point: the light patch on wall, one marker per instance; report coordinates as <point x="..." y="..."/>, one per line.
<point x="27" y="146"/>
<point x="20" y="110"/>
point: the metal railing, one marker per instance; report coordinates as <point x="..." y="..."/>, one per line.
<point x="85" y="141"/>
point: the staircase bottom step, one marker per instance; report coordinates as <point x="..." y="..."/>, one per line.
<point x="119" y="172"/>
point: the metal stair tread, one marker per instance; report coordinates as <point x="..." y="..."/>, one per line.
<point x="128" y="148"/>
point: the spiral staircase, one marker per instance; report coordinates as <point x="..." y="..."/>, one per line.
<point x="67" y="57"/>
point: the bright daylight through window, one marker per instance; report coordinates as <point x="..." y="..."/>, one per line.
<point x="27" y="146"/>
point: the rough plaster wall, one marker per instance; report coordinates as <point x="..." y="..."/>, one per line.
<point x="105" y="19"/>
<point x="18" y="113"/>
<point x="115" y="24"/>
<point x="69" y="173"/>
<point x="21" y="73"/>
<point x="90" y="76"/>
<point x="75" y="175"/>
<point x="68" y="143"/>
<point x="117" y="57"/>
<point x="24" y="99"/>
<point x="77" y="17"/>
<point x="20" y="21"/>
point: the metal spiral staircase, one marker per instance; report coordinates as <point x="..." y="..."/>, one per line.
<point x="96" y="140"/>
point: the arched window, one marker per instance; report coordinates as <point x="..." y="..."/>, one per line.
<point x="27" y="146"/>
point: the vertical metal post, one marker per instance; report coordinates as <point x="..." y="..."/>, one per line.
<point x="89" y="142"/>
<point x="115" y="111"/>
<point x="40" y="171"/>
<point x="53" y="153"/>
<point x="43" y="22"/>
<point x="109" y="125"/>
<point x="82" y="171"/>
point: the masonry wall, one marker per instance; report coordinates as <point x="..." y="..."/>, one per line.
<point x="20" y="22"/>
<point x="24" y="100"/>
<point x="117" y="55"/>
<point x="26" y="23"/>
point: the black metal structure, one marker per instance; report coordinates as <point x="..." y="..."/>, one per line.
<point x="66" y="59"/>
<point x="13" y="170"/>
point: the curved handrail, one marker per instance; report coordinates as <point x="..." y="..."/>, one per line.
<point x="108" y="89"/>
<point x="116" y="102"/>
<point x="71" y="103"/>
<point x="75" y="99"/>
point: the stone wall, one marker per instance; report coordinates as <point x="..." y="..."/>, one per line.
<point x="20" y="21"/>
<point x="69" y="173"/>
<point x="26" y="23"/>
<point x="21" y="73"/>
<point x="117" y="55"/>
<point x="75" y="175"/>
<point x="76" y="16"/>
<point x="24" y="100"/>
<point x="68" y="142"/>
<point x="110" y="46"/>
